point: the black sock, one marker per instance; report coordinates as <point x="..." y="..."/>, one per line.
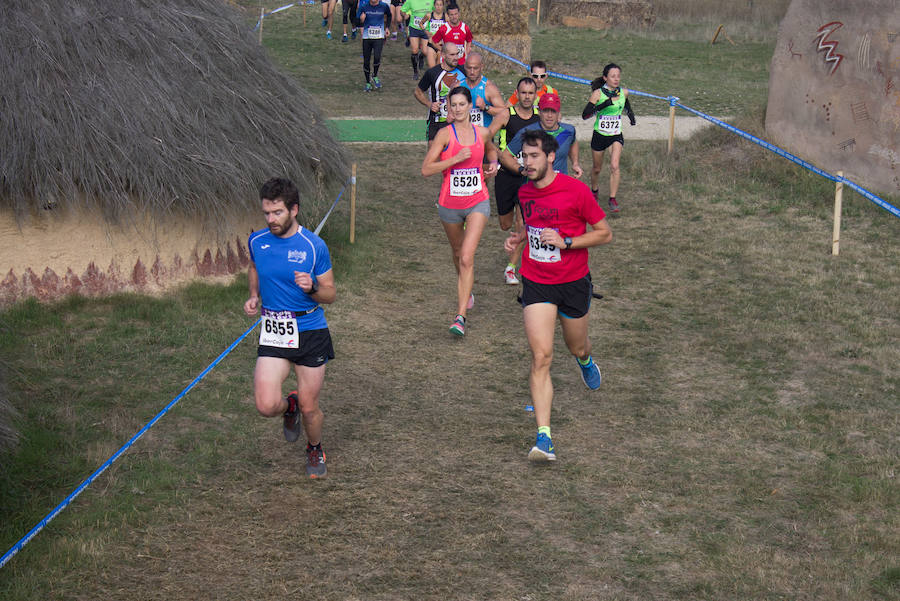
<point x="414" y="59"/>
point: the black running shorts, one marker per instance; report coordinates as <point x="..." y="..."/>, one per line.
<point x="315" y="349"/>
<point x="599" y="142"/>
<point x="506" y="191"/>
<point x="572" y="299"/>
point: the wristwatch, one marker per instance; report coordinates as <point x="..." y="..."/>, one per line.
<point x="314" y="288"/>
<point x="568" y="242"/>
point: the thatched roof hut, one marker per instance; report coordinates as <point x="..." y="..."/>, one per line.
<point x="145" y="126"/>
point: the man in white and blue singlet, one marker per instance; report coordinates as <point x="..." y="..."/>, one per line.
<point x="290" y="277"/>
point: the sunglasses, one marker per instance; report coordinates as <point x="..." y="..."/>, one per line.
<point x="538" y="75"/>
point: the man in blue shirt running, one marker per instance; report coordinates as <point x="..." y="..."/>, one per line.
<point x="549" y="106"/>
<point x="290" y="278"/>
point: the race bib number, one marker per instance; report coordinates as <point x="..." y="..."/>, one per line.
<point x="375" y="32"/>
<point x="465" y="182"/>
<point x="443" y="110"/>
<point x="538" y="251"/>
<point x="477" y="116"/>
<point x="279" y="328"/>
<point x="417" y="22"/>
<point x="610" y="125"/>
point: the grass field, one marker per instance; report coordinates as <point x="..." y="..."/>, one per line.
<point x="743" y="445"/>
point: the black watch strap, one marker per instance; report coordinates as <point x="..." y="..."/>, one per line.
<point x="568" y="242"/>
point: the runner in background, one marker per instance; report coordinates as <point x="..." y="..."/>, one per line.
<point x="434" y="87"/>
<point x="454" y="30"/>
<point x="416" y="36"/>
<point x="396" y="18"/>
<point x="435" y="21"/>
<point x="549" y="108"/>
<point x="464" y="206"/>
<point x="373" y="17"/>
<point x="608" y="101"/>
<point x="486" y="98"/>
<point x="348" y="10"/>
<point x="328" y="15"/>
<point x="506" y="186"/>
<point x="539" y="75"/>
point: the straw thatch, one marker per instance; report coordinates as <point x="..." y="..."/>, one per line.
<point x="162" y="105"/>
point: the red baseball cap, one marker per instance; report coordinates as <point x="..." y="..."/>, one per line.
<point x="550" y="100"/>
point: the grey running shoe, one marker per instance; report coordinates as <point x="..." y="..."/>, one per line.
<point x="315" y="462"/>
<point x="292" y="418"/>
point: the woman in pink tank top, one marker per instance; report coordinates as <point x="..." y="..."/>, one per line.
<point x="459" y="151"/>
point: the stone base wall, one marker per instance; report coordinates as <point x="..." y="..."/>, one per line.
<point x="51" y="256"/>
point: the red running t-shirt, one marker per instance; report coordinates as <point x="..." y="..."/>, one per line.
<point x="567" y="206"/>
<point x="459" y="35"/>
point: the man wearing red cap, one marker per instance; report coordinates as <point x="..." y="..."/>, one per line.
<point x="549" y="108"/>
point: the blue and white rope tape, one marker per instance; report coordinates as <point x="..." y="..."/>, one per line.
<point x="674" y="101"/>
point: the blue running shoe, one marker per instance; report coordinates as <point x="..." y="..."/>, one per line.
<point x="344" y="39"/>
<point x="377" y="83"/>
<point x="543" y="449"/>
<point x="324" y="22"/>
<point x="590" y="373"/>
<point x="353" y="34"/>
<point x="328" y="34"/>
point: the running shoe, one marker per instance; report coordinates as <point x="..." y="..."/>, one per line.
<point x="328" y="34"/>
<point x="510" y="275"/>
<point x="613" y="205"/>
<point x="394" y="37"/>
<point x="368" y="87"/>
<point x="458" y="326"/>
<point x="344" y="39"/>
<point x="415" y="76"/>
<point x="543" y="449"/>
<point x="315" y="462"/>
<point x="590" y="373"/>
<point x="377" y="83"/>
<point x="353" y="34"/>
<point x="324" y="22"/>
<point x="292" y="418"/>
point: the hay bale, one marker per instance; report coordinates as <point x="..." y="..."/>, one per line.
<point x="637" y="14"/>
<point x="502" y="25"/>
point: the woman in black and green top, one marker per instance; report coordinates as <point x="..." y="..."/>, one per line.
<point x="608" y="101"/>
<point x="434" y="22"/>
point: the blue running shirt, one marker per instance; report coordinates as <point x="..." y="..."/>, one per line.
<point x="276" y="259"/>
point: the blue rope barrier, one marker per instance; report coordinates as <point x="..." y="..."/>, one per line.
<point x="674" y="101"/>
<point x="278" y="10"/>
<point x="65" y="503"/>
<point x="87" y="482"/>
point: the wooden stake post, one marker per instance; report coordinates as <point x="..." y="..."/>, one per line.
<point x="262" y="16"/>
<point x="838" y="201"/>
<point x="352" y="203"/>
<point x="671" y="127"/>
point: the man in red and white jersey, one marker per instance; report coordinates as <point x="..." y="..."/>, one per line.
<point x="556" y="278"/>
<point x="454" y="30"/>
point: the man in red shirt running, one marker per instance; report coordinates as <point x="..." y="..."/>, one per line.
<point x="454" y="31"/>
<point x="556" y="279"/>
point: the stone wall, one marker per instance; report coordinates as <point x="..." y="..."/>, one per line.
<point x="834" y="88"/>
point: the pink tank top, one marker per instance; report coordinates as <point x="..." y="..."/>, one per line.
<point x="463" y="185"/>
